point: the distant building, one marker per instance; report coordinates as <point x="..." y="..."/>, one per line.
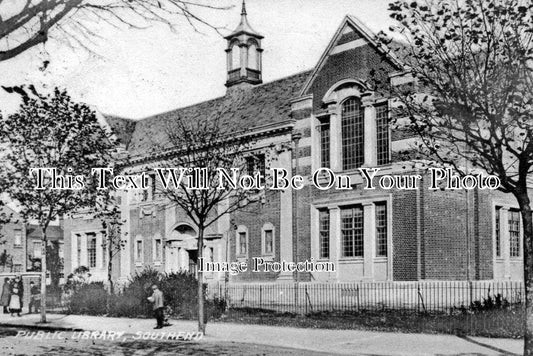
<point x="326" y="117"/>
<point x="20" y="244"/>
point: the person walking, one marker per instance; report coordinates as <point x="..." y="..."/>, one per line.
<point x="35" y="298"/>
<point x="15" y="305"/>
<point x="6" y="293"/>
<point x="158" y="307"/>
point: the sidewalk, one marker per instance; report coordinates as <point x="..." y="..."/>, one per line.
<point x="341" y="342"/>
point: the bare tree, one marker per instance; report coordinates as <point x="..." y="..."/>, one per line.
<point x="27" y="23"/>
<point x="472" y="62"/>
<point x="214" y="145"/>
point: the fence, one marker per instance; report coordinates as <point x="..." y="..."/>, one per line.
<point x="303" y="298"/>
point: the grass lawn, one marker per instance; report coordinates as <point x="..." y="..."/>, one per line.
<point x="506" y="323"/>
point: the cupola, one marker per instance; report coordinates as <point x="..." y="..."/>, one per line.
<point x="244" y="54"/>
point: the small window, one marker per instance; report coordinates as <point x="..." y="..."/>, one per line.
<point x="78" y="242"/>
<point x="267" y="237"/>
<point x="242" y="241"/>
<point x="17" y="237"/>
<point x="381" y="230"/>
<point x="497" y="240"/>
<point x="139" y="250"/>
<point x="269" y="241"/>
<point x="37" y="250"/>
<point x="324" y="130"/>
<point x="104" y="249"/>
<point x="323" y="239"/>
<point x="157" y="249"/>
<point x="514" y="233"/>
<point x="253" y="62"/>
<point x="91" y="250"/>
<point x="235" y="56"/>
<point x="382" y="132"/>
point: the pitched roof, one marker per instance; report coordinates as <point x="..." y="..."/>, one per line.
<point x="123" y="128"/>
<point x="250" y="108"/>
<point x="53" y="232"/>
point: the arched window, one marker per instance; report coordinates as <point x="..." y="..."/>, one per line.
<point x="353" y="134"/>
<point x="252" y="57"/>
<point x="235" y="56"/>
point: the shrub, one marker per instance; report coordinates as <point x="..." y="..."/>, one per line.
<point x="89" y="298"/>
<point x="133" y="300"/>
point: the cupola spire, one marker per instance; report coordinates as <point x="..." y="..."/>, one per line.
<point x="244" y="54"/>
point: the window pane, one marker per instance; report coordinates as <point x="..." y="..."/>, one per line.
<point x="18" y="237"/>
<point x="37" y="251"/>
<point x="382" y="131"/>
<point x="352" y="231"/>
<point x="323" y="239"/>
<point x="324" y="144"/>
<point x="497" y="232"/>
<point x="269" y="241"/>
<point x="158" y="249"/>
<point x="242" y="243"/>
<point x="381" y="230"/>
<point x="252" y="57"/>
<point x="235" y="57"/>
<point x="514" y="233"/>
<point x="352" y="125"/>
<point x="139" y="250"/>
<point x="91" y="250"/>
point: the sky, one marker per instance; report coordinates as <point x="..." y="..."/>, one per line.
<point x="136" y="73"/>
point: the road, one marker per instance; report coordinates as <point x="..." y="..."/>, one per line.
<point x="17" y="341"/>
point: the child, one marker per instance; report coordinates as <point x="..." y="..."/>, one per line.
<point x="14" y="302"/>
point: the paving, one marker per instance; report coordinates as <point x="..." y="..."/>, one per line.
<point x="333" y="342"/>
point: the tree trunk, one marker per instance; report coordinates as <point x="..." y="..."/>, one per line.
<point x="44" y="242"/>
<point x="201" y="323"/>
<point x="527" y="222"/>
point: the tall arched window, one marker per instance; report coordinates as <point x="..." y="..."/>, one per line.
<point x="235" y="56"/>
<point x="353" y="134"/>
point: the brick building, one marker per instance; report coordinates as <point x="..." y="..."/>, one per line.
<point x="21" y="247"/>
<point x="325" y="117"/>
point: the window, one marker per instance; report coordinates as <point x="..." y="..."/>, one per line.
<point x="269" y="241"/>
<point x="323" y="231"/>
<point x="324" y="143"/>
<point x="37" y="250"/>
<point x="514" y="233"/>
<point x="78" y="241"/>
<point x="17" y="237"/>
<point x="242" y="243"/>
<point x="352" y="126"/>
<point x="255" y="164"/>
<point x="139" y="250"/>
<point x="91" y="250"/>
<point x="104" y="249"/>
<point x="381" y="229"/>
<point x="267" y="237"/>
<point x="382" y="132"/>
<point x="252" y="57"/>
<point x="235" y="56"/>
<point x="352" y="231"/>
<point x="157" y="249"/>
<point x="498" y="241"/>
